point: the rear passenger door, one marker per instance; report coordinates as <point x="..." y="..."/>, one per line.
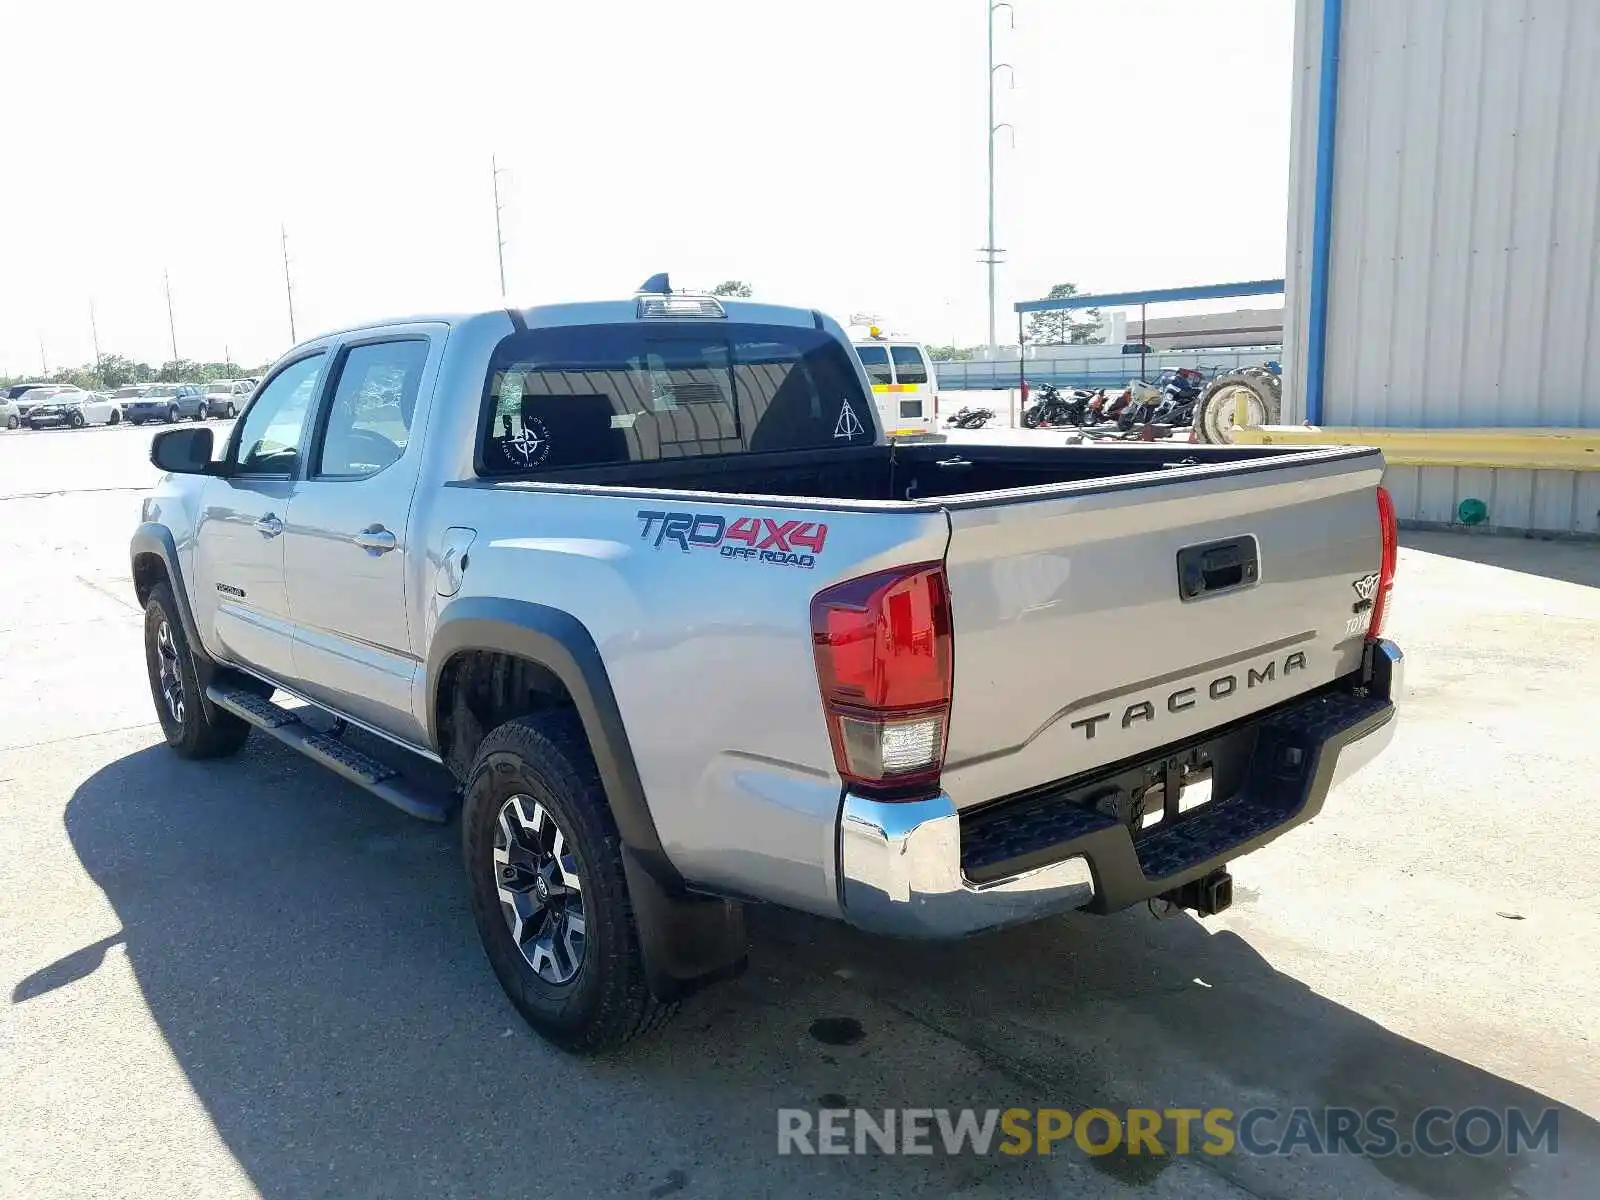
<point x="348" y="564"/>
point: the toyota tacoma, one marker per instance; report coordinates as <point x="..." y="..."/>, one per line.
<point x="642" y="593"/>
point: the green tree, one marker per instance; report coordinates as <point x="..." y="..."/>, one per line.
<point x="950" y="353"/>
<point x="178" y="370"/>
<point x="1058" y="326"/>
<point x="116" y="371"/>
<point x="736" y="289"/>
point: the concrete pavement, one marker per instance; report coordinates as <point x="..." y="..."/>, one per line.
<point x="246" y="977"/>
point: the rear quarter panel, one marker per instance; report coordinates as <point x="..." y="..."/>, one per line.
<point x="708" y="651"/>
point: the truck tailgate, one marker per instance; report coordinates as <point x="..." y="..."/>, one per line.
<point x="1079" y="642"/>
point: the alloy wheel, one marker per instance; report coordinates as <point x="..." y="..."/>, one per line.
<point x="171" y="676"/>
<point x="541" y="895"/>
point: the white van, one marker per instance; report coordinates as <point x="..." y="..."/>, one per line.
<point x="904" y="384"/>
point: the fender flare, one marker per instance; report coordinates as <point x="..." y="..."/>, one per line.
<point x="153" y="539"/>
<point x="559" y="642"/>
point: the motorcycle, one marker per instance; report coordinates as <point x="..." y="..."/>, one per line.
<point x="1178" y="398"/>
<point x="1103" y="409"/>
<point x="1052" y="408"/>
<point x="968" y="417"/>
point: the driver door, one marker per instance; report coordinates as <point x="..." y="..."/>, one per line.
<point x="240" y="603"/>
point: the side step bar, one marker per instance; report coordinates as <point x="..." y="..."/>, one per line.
<point x="361" y="769"/>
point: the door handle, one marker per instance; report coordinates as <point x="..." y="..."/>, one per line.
<point x="268" y="525"/>
<point x="376" y="539"/>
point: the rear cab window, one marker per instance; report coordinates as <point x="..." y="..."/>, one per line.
<point x="596" y="395"/>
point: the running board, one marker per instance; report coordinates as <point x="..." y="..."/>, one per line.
<point x="331" y="751"/>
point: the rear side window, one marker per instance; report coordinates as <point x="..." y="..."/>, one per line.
<point x="876" y="360"/>
<point x="908" y="365"/>
<point x="592" y="395"/>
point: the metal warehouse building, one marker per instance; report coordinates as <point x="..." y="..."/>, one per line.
<point x="1443" y="249"/>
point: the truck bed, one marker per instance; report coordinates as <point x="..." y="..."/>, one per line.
<point x="921" y="472"/>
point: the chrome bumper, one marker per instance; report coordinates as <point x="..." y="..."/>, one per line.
<point x="900" y="863"/>
<point x="900" y="870"/>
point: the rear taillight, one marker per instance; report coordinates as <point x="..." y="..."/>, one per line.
<point x="1389" y="529"/>
<point x="884" y="661"/>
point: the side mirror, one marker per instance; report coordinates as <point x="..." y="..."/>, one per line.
<point x="182" y="451"/>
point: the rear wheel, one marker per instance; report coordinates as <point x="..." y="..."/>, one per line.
<point x="548" y="894"/>
<point x="13" y="421"/>
<point x="193" y="726"/>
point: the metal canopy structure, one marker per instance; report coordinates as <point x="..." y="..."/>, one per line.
<point x="1204" y="291"/>
<point x="1208" y="291"/>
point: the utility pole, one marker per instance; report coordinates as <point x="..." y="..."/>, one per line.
<point x="172" y="326"/>
<point x="94" y="332"/>
<point x="288" y="286"/>
<point x="44" y="363"/>
<point x="499" y="239"/>
<point x="990" y="252"/>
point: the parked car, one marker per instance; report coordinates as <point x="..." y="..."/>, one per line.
<point x="167" y="402"/>
<point x="906" y="714"/>
<point x="225" y="397"/>
<point x="10" y="418"/>
<point x="74" y="408"/>
<point x="26" y="395"/>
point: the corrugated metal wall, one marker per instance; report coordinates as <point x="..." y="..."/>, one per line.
<point x="1465" y="251"/>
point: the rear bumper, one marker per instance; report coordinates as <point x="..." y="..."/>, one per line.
<point x="907" y="868"/>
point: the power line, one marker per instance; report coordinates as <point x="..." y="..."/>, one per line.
<point x="499" y="239"/>
<point x="172" y="326"/>
<point x="990" y="253"/>
<point x="288" y="285"/>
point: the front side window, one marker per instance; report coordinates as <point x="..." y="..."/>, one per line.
<point x="271" y="431"/>
<point x="908" y="365"/>
<point x="369" y="421"/>
<point x="581" y="396"/>
<point x="876" y="360"/>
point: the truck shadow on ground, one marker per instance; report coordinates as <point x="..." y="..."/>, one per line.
<point x="309" y="957"/>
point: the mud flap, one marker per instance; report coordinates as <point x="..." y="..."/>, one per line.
<point x="688" y="942"/>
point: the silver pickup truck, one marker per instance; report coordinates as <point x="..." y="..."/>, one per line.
<point x="641" y="589"/>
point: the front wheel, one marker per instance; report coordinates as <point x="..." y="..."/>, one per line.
<point x="193" y="726"/>
<point x="1030" y="418"/>
<point x="76" y="420"/>
<point x="227" y="413"/>
<point x="115" y="418"/>
<point x="546" y="884"/>
<point x="172" y="413"/>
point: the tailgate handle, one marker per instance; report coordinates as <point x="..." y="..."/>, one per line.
<point x="1217" y="567"/>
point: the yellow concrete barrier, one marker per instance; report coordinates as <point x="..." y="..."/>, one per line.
<point x="1527" y="449"/>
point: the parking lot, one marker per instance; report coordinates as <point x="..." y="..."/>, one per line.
<point x="246" y="976"/>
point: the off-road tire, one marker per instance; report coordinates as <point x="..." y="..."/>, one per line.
<point x="203" y="730"/>
<point x="1212" y="420"/>
<point x="607" y="1003"/>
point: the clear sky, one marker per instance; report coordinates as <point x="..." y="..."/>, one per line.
<point x="829" y="151"/>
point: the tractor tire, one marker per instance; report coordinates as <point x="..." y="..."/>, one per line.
<point x="1213" y="415"/>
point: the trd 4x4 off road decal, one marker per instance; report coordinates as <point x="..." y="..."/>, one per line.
<point x="784" y="543"/>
